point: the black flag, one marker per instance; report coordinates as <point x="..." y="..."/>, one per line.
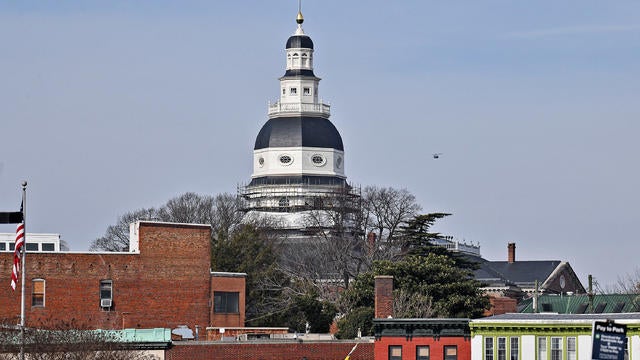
<point x="11" y="217"/>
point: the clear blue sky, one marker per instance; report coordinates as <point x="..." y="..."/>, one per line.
<point x="111" y="106"/>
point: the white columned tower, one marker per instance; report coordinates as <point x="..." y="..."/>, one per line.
<point x="298" y="156"/>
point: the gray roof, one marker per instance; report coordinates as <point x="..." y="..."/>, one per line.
<point x="521" y="273"/>
<point x="299" y="131"/>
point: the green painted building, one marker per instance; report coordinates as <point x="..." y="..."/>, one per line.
<point x="546" y="336"/>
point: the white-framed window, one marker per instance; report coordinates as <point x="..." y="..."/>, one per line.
<point x="488" y="348"/>
<point x="542" y="348"/>
<point x="556" y="348"/>
<point x="514" y="348"/>
<point x="37" y="292"/>
<point x="502" y="348"/>
<point x="571" y="348"/>
<point x="106" y="294"/>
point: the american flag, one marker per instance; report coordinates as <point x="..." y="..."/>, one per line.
<point x="17" y="255"/>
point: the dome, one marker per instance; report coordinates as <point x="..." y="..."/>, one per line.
<point x="299" y="41"/>
<point x="299" y="131"/>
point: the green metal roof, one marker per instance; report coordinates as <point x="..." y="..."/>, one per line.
<point x="579" y="304"/>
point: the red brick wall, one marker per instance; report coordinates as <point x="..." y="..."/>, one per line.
<point x="383" y="296"/>
<point x="230" y="283"/>
<point x="501" y="305"/>
<point x="436" y="346"/>
<point x="165" y="285"/>
<point x="271" y="351"/>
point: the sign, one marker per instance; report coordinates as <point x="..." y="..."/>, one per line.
<point x="609" y="340"/>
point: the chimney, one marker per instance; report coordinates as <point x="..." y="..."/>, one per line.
<point x="371" y="242"/>
<point x="383" y="296"/>
<point x="512" y="253"/>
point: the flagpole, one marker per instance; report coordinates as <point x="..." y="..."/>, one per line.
<point x="24" y="253"/>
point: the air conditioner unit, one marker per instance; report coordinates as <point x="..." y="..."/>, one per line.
<point x="105" y="303"/>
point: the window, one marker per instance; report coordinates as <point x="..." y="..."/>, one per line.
<point x="395" y="352"/>
<point x="542" y="348"/>
<point x="293" y="91"/>
<point x="571" y="348"/>
<point x="556" y="348"/>
<point x="502" y="348"/>
<point x="306" y="91"/>
<point x="284" y="91"/>
<point x="318" y="160"/>
<point x="12" y="246"/>
<point x="283" y="202"/>
<point x="3" y="246"/>
<point x="226" y="302"/>
<point x="626" y="348"/>
<point x="451" y="352"/>
<point x="32" y="246"/>
<point x="106" y="293"/>
<point x="488" y="348"/>
<point x="48" y="247"/>
<point x="286" y="159"/>
<point x="422" y="353"/>
<point x="37" y="296"/>
<point x="514" y="349"/>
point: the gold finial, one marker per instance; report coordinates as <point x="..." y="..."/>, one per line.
<point x="299" y="18"/>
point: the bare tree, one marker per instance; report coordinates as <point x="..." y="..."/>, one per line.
<point x="333" y="252"/>
<point x="384" y="210"/>
<point x="221" y="211"/>
<point x="116" y="238"/>
<point x="412" y="305"/>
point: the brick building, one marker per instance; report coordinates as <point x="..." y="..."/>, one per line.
<point x="164" y="281"/>
<point x="422" y="339"/>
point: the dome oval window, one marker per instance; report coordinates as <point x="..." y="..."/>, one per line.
<point x="339" y="162"/>
<point x="318" y="160"/>
<point x="286" y="159"/>
<point x="261" y="161"/>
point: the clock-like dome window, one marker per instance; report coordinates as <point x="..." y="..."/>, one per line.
<point x="286" y="159"/>
<point x="318" y="160"/>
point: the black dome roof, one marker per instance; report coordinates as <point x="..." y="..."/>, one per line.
<point x="299" y="41"/>
<point x="298" y="131"/>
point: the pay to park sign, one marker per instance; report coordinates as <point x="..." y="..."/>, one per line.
<point x="609" y="340"/>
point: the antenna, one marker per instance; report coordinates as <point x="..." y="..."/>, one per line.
<point x="299" y="5"/>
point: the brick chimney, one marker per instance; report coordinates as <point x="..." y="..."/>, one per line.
<point x="512" y="253"/>
<point x="383" y="296"/>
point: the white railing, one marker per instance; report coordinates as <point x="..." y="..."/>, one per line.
<point x="279" y="108"/>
